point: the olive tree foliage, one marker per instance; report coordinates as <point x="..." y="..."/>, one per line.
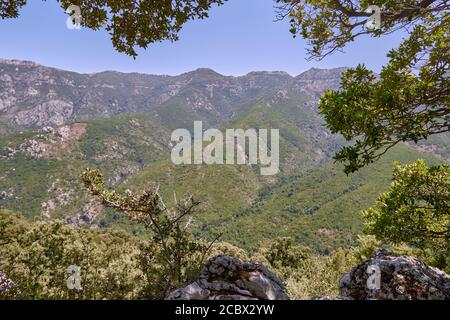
<point x="131" y="24"/>
<point x="180" y="257"/>
<point x="416" y="209"/>
<point x="409" y="100"/>
<point x="36" y="256"/>
<point x="306" y="273"/>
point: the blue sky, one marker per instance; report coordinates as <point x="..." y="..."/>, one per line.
<point x="238" y="37"/>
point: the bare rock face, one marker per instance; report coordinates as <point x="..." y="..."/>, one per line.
<point x="228" y="278"/>
<point x="385" y="276"/>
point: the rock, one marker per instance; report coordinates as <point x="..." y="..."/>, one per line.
<point x="6" y="196"/>
<point x="400" y="278"/>
<point x="228" y="278"/>
<point x="326" y="298"/>
<point x="8" y="289"/>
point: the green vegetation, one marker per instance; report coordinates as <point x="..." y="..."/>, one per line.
<point x="38" y="166"/>
<point x="311" y="201"/>
<point x="178" y="255"/>
<point x="303" y="224"/>
<point x="416" y="209"/>
<point x="116" y="265"/>
<point x="409" y="100"/>
<point x="221" y="189"/>
<point x="37" y="255"/>
<point x="318" y="209"/>
<point x="438" y="145"/>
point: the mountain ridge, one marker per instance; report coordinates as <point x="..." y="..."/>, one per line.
<point x="274" y="72"/>
<point x="121" y="124"/>
<point x="35" y="96"/>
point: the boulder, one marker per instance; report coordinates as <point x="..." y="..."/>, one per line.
<point x="228" y="278"/>
<point x="325" y="298"/>
<point x="8" y="289"/>
<point x="385" y="276"/>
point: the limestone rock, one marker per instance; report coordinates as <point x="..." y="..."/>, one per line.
<point x="326" y="298"/>
<point x="228" y="278"/>
<point x="400" y="278"/>
<point x="8" y="289"/>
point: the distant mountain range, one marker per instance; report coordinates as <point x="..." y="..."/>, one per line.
<point x="54" y="123"/>
<point x="33" y="96"/>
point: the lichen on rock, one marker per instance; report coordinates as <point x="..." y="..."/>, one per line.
<point x="401" y="278"/>
<point x="228" y="278"/>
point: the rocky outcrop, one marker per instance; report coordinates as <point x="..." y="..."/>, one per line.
<point x="326" y="298"/>
<point x="228" y="278"/>
<point x="8" y="289"/>
<point x="385" y="276"/>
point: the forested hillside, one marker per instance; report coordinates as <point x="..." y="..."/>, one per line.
<point x="311" y="200"/>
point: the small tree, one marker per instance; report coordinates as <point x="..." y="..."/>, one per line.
<point x="177" y="255"/>
<point x="416" y="209"/>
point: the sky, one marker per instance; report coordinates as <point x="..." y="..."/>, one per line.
<point x="239" y="37"/>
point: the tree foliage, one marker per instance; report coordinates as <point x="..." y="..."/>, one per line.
<point x="416" y="209"/>
<point x="180" y="256"/>
<point x="131" y="24"/>
<point x="409" y="100"/>
<point x="306" y="273"/>
<point x="36" y="256"/>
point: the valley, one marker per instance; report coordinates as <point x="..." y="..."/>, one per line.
<point x="54" y="123"/>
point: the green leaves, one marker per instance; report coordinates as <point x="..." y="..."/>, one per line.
<point x="37" y="255"/>
<point x="416" y="209"/>
<point x="131" y="24"/>
<point x="136" y="24"/>
<point x="408" y="101"/>
<point x="400" y="105"/>
<point x="10" y="8"/>
<point x="175" y="256"/>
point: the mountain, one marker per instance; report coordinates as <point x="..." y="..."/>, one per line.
<point x="55" y="123"/>
<point x="33" y="96"/>
<point x="319" y="209"/>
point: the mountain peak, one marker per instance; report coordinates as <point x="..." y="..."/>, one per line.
<point x="19" y="62"/>
<point x="270" y="73"/>
<point x="321" y="74"/>
<point x="203" y="72"/>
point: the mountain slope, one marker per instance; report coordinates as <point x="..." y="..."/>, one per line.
<point x="319" y="209"/>
<point x="55" y="123"/>
<point x="40" y="168"/>
<point x="33" y="96"/>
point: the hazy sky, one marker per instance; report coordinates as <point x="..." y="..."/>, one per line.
<point x="238" y="37"/>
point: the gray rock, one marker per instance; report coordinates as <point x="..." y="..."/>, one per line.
<point x="228" y="278"/>
<point x="400" y="278"/>
<point x="8" y="289"/>
<point x="35" y="96"/>
<point x="326" y="298"/>
<point x="6" y="196"/>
